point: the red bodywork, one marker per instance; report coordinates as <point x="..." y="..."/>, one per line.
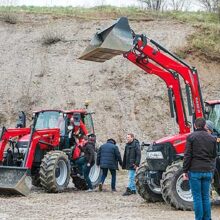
<point x="11" y="133"/>
<point x="50" y="136"/>
<point x="154" y="61"/>
<point x="46" y="139"/>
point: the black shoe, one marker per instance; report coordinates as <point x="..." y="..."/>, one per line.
<point x="128" y="192"/>
<point x="133" y="191"/>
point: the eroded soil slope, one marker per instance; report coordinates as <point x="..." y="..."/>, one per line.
<point x="35" y="76"/>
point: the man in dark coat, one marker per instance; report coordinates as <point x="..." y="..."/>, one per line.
<point x="131" y="161"/>
<point x="108" y="158"/>
<point x="199" y="165"/>
<point x="89" y="155"/>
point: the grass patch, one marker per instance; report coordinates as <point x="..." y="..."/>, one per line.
<point x="51" y="37"/>
<point x="192" y="17"/>
<point x="205" y="40"/>
<point x="9" y="18"/>
<point x="86" y="13"/>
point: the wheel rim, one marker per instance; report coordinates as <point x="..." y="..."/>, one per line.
<point x="61" y="172"/>
<point x="183" y="189"/>
<point x="154" y="188"/>
<point x="151" y="183"/>
<point x="94" y="173"/>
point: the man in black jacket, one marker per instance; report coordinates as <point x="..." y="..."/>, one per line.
<point x="198" y="166"/>
<point x="131" y="161"/>
<point x="108" y="158"/>
<point x="89" y="154"/>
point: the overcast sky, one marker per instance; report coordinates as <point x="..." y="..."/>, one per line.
<point x="84" y="3"/>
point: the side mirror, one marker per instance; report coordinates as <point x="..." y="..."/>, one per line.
<point x="143" y="144"/>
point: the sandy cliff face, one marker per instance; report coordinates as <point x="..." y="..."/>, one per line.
<point x="34" y="76"/>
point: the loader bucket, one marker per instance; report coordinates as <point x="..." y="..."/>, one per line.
<point x="112" y="41"/>
<point x="14" y="181"/>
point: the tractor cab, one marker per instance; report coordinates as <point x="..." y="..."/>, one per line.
<point x="69" y="121"/>
<point x="213" y="113"/>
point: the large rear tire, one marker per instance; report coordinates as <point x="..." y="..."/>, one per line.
<point x="55" y="171"/>
<point x="95" y="175"/>
<point x="146" y="191"/>
<point x="175" y="190"/>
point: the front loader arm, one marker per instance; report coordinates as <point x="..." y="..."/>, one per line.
<point x="11" y="133"/>
<point x="168" y="61"/>
<point x="120" y="39"/>
<point x="172" y="82"/>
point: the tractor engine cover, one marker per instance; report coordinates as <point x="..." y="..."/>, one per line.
<point x="159" y="156"/>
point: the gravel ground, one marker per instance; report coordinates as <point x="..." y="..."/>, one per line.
<point x="105" y="205"/>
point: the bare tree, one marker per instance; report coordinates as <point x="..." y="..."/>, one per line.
<point x="152" y="4"/>
<point x="177" y="5"/>
<point x="210" y="5"/>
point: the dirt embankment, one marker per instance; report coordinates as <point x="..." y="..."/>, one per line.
<point x="35" y="76"/>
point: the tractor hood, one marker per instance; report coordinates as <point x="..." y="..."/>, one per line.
<point x="178" y="141"/>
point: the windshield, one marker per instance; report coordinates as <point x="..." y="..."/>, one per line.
<point x="89" y="123"/>
<point x="50" y="119"/>
<point x="214" y="116"/>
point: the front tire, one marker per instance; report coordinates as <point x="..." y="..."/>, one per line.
<point x="175" y="190"/>
<point x="55" y="171"/>
<point x="144" y="189"/>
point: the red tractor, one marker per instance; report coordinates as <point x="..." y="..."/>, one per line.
<point x="160" y="176"/>
<point x="44" y="153"/>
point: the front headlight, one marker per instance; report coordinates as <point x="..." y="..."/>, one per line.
<point x="154" y="155"/>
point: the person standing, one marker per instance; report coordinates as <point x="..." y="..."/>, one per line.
<point x="131" y="161"/>
<point x="108" y="158"/>
<point x="89" y="155"/>
<point x="198" y="167"/>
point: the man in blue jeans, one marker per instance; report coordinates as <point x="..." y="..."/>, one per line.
<point x="198" y="167"/>
<point x="131" y="160"/>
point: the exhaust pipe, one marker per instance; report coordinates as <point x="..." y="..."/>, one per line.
<point x="109" y="42"/>
<point x="14" y="181"/>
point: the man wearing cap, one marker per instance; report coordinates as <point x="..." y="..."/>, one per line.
<point x="108" y="158"/>
<point x="77" y="134"/>
<point x="209" y="126"/>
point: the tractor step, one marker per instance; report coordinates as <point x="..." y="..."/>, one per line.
<point x="14" y="181"/>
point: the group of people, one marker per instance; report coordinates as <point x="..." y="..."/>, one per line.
<point x="198" y="166"/>
<point x="108" y="158"/>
